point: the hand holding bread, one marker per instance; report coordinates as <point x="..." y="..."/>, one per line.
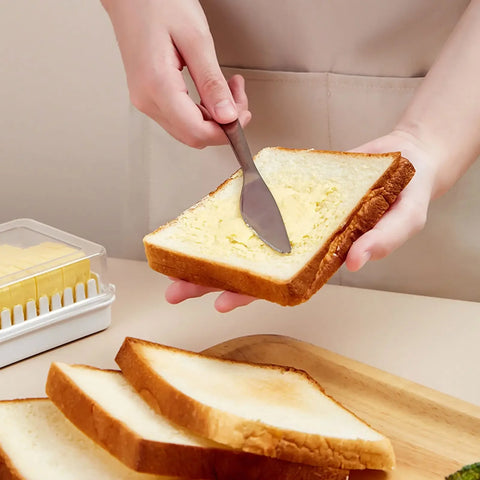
<point x="407" y="216"/>
<point x="327" y="200"/>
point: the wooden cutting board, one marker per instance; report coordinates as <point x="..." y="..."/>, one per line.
<point x="432" y="434"/>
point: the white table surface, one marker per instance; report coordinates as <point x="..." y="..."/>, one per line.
<point x="432" y="341"/>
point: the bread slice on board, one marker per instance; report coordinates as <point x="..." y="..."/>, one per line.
<point x="327" y="200"/>
<point x="103" y="405"/>
<point x="38" y="443"/>
<point x="264" y="409"/>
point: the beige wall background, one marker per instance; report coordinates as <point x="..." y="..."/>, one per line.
<point x="68" y="137"/>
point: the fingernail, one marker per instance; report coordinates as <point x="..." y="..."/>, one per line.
<point x="364" y="259"/>
<point x="225" y="111"/>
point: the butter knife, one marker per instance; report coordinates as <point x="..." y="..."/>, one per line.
<point x="257" y="205"/>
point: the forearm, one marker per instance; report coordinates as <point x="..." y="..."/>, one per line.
<point x="444" y="115"/>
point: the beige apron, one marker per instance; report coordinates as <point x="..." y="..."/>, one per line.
<point x="333" y="74"/>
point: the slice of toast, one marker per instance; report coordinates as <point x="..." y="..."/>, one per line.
<point x="327" y="201"/>
<point x="264" y="409"/>
<point x="104" y="406"/>
<point x="38" y="443"/>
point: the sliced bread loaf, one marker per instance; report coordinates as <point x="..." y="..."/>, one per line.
<point x="264" y="409"/>
<point x="38" y="443"/>
<point x="103" y="405"/>
<point x="327" y="200"/>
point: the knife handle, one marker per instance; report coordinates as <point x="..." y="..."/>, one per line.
<point x="236" y="137"/>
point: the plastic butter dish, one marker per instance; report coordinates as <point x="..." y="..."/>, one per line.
<point x="53" y="289"/>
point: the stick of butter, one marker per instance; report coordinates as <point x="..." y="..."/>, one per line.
<point x="41" y="270"/>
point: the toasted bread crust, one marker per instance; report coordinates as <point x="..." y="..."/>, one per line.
<point x="315" y="273"/>
<point x="7" y="470"/>
<point x="166" y="458"/>
<point x="247" y="435"/>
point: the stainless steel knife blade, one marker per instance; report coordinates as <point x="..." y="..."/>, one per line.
<point x="258" y="207"/>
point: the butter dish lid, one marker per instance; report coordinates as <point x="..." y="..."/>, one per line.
<point x="29" y="248"/>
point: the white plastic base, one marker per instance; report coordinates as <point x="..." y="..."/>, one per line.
<point x="57" y="327"/>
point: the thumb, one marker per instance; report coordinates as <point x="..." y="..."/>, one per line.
<point x="201" y="60"/>
<point x="405" y="218"/>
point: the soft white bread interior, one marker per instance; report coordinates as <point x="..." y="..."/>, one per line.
<point x="38" y="443"/>
<point x="269" y="410"/>
<point x="327" y="200"/>
<point x="103" y="405"/>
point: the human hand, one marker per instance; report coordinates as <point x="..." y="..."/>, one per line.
<point x="180" y="290"/>
<point x="406" y="217"/>
<point x="157" y="38"/>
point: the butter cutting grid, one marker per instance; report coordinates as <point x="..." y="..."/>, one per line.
<point x="9" y="318"/>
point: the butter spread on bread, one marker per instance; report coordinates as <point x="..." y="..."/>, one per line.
<point x="327" y="200"/>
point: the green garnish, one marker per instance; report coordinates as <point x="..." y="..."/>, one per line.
<point x="469" y="472"/>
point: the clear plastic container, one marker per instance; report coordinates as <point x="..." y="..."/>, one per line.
<point x="53" y="289"/>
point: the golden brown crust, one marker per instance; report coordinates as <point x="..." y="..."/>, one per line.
<point x="318" y="270"/>
<point x="362" y="219"/>
<point x="90" y="419"/>
<point x="247" y="435"/>
<point x="7" y="469"/>
<point x="166" y="458"/>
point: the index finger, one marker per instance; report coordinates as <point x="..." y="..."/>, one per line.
<point x="175" y="111"/>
